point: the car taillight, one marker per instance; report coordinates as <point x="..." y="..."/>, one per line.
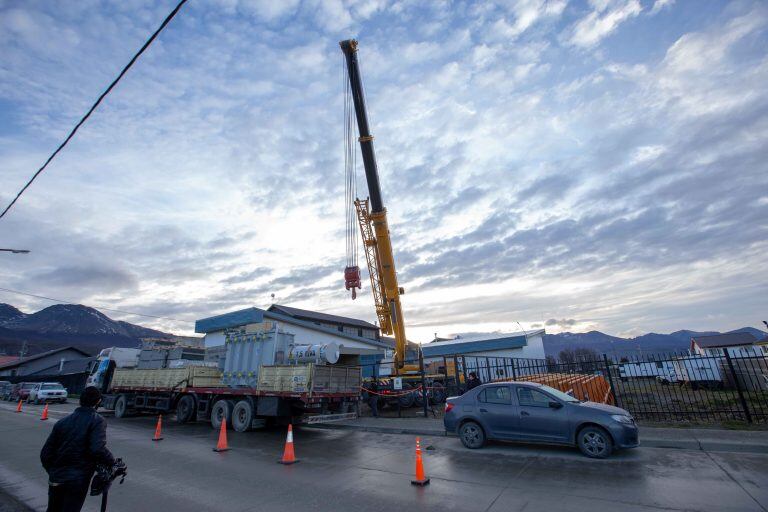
<point x="448" y="407"/>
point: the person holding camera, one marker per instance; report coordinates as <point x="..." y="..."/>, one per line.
<point x="77" y="444"/>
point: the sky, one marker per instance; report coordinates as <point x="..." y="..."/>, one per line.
<point x="567" y="165"/>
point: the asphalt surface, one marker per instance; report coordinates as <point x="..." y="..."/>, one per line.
<point x="366" y="471"/>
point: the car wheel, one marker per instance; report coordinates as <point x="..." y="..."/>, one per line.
<point x="121" y="406"/>
<point x="594" y="442"/>
<point x="472" y="435"/>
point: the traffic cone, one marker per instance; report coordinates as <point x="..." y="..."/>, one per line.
<point x="421" y="479"/>
<point x="18" y="407"/>
<point x="289" y="457"/>
<point x="221" y="446"/>
<point x="45" y="413"/>
<point x="158" y="428"/>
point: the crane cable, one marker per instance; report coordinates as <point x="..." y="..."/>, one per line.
<point x="350" y="172"/>
<point x="93" y="107"/>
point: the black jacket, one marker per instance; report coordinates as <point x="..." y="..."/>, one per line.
<point x="473" y="383"/>
<point x="77" y="443"/>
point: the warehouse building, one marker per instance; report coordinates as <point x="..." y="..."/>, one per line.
<point x="307" y="327"/>
<point x="523" y="345"/>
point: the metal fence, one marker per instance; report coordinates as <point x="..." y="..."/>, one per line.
<point x="674" y="388"/>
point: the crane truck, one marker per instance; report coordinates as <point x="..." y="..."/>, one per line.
<point x="377" y="244"/>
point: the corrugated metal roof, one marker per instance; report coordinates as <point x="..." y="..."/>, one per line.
<point x="256" y="315"/>
<point x="468" y="347"/>
<point x="305" y="314"/>
<point x="724" y="340"/>
<point x="19" y="362"/>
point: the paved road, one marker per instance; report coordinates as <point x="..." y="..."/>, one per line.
<point x="363" y="471"/>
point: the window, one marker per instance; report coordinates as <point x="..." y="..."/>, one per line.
<point x="360" y="332"/>
<point x="532" y="397"/>
<point x="496" y="395"/>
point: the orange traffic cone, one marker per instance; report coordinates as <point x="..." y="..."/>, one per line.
<point x="221" y="446"/>
<point x="158" y="428"/>
<point x="289" y="457"/>
<point x="18" y="407"/>
<point x="421" y="479"/>
<point x="45" y="413"/>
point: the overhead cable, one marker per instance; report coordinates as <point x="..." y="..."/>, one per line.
<point x="100" y="308"/>
<point x="93" y="107"/>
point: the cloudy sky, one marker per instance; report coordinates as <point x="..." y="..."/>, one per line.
<point x="569" y="164"/>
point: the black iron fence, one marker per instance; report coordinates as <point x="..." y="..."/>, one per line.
<point x="675" y="388"/>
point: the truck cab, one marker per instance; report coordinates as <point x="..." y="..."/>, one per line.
<point x="106" y="362"/>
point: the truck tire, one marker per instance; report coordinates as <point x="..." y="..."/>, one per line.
<point x="408" y="398"/>
<point x="242" y="416"/>
<point x="185" y="409"/>
<point x="121" y="406"/>
<point x="221" y="409"/>
<point x="437" y="395"/>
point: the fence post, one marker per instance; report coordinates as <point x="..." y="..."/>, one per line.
<point x="423" y="383"/>
<point x="514" y="371"/>
<point x="464" y="370"/>
<point x="738" y="386"/>
<point x="610" y="380"/>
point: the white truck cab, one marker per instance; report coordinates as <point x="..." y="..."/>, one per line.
<point x="109" y="359"/>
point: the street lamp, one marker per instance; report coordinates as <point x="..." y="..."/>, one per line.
<point x="16" y="251"/>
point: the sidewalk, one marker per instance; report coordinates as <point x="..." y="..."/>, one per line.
<point x="714" y="440"/>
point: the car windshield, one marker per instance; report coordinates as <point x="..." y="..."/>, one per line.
<point x="559" y="394"/>
<point x="52" y="386"/>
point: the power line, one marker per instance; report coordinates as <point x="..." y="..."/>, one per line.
<point x="94" y="307"/>
<point x="93" y="107"/>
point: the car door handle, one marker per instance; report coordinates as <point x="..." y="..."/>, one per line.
<point x="483" y="410"/>
<point x="523" y="413"/>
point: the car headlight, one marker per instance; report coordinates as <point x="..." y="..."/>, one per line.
<point x="621" y="418"/>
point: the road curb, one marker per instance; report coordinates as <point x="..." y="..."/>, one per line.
<point x="382" y="430"/>
<point x="650" y="442"/>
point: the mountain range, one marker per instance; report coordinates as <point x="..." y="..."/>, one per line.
<point x="90" y="330"/>
<point x="647" y="344"/>
<point x="67" y="324"/>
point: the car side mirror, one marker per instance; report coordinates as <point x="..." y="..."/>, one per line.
<point x="555" y="405"/>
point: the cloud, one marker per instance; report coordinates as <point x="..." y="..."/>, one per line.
<point x="660" y="5"/>
<point x="601" y="22"/>
<point x="522" y="184"/>
<point x="563" y="323"/>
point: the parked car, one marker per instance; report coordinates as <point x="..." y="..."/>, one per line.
<point x="5" y="389"/>
<point x="532" y="412"/>
<point x="21" y="391"/>
<point x="47" y="392"/>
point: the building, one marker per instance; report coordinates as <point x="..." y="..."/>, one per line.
<point x="738" y="344"/>
<point x="307" y="327"/>
<point x="52" y="361"/>
<point x="343" y="324"/>
<point x="523" y="345"/>
<point x="763" y="345"/>
<point x="172" y="342"/>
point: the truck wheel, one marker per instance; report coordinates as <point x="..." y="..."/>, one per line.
<point x="221" y="409"/>
<point x="185" y="409"/>
<point x="438" y="393"/>
<point x="407" y="399"/>
<point x="121" y="406"/>
<point x="242" y="416"/>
